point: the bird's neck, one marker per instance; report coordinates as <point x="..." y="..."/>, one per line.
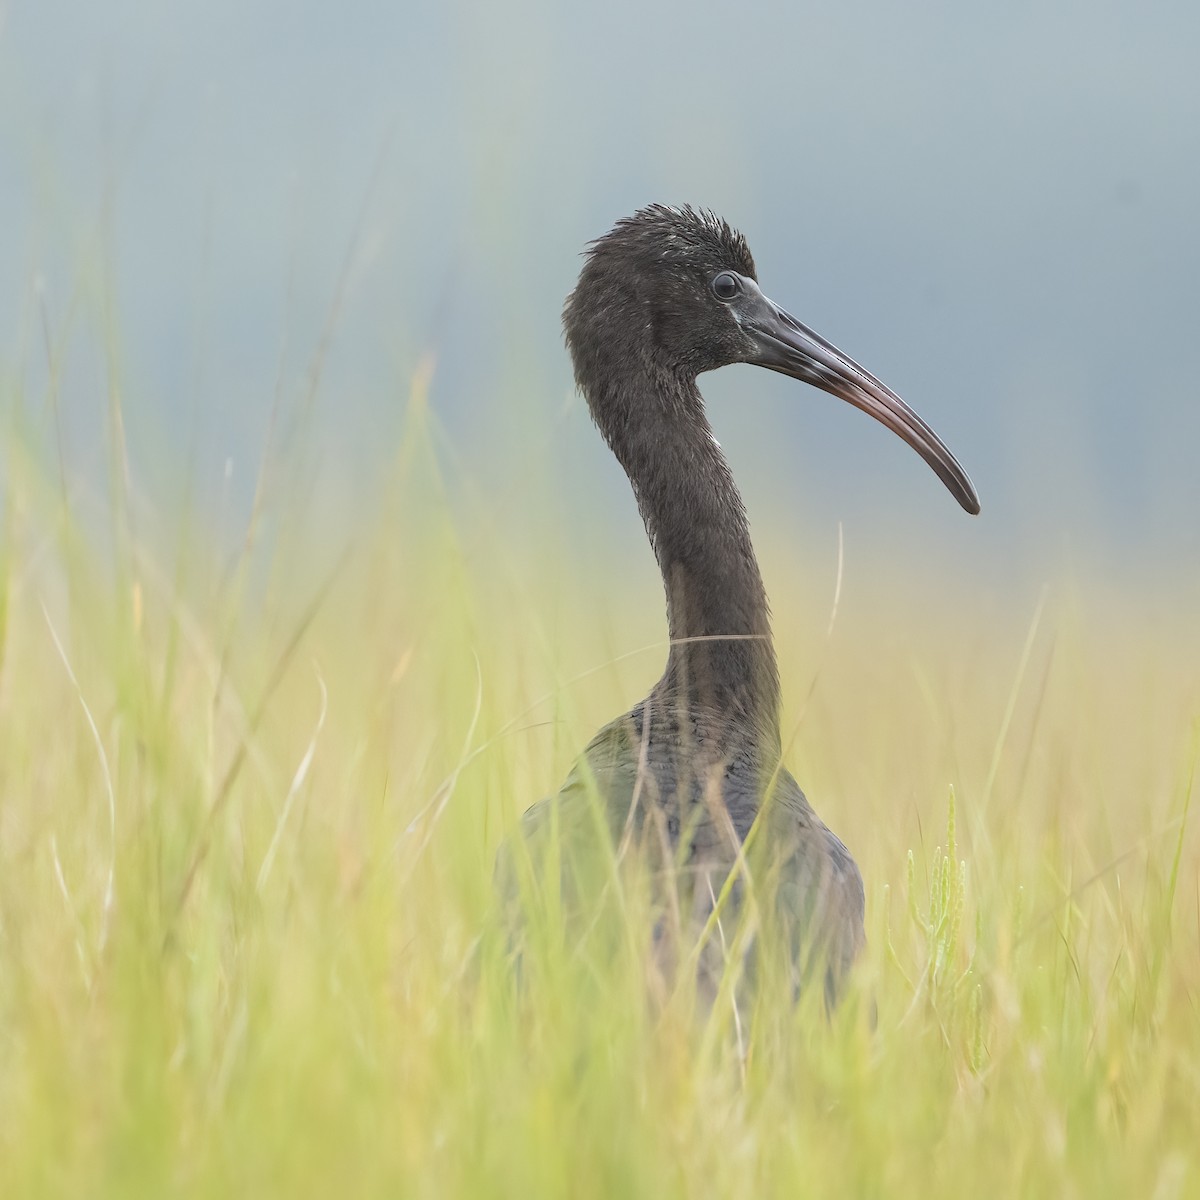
<point x="721" y="658"/>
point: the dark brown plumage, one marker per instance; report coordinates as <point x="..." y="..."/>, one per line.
<point x="666" y="295"/>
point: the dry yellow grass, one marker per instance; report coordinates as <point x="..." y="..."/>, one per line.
<point x="295" y="769"/>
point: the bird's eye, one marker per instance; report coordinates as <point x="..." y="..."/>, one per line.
<point x="726" y="285"/>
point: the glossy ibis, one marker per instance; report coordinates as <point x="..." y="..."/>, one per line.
<point x="690" y="770"/>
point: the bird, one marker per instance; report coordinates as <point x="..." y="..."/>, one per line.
<point x="693" y="774"/>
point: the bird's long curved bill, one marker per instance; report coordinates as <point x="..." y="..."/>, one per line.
<point x="785" y="345"/>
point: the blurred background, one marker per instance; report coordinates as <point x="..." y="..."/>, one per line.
<point x="227" y="211"/>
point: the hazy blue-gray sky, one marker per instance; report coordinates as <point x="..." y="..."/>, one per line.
<point x="993" y="207"/>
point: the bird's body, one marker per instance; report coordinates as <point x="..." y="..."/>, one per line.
<point x="691" y="770"/>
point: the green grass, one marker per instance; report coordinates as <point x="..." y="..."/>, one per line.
<point x="249" y="806"/>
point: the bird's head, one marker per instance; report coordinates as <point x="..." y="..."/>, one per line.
<point x="674" y="291"/>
